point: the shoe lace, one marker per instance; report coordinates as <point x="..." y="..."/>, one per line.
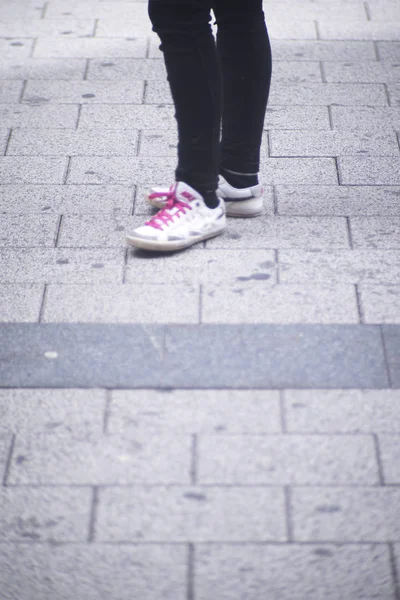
<point x="165" y="216"/>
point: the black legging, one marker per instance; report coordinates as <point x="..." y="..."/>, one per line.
<point x="208" y="82"/>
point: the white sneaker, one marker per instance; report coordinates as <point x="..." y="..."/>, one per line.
<point x="183" y="221"/>
<point x="239" y="202"/>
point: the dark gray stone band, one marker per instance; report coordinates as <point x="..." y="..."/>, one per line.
<point x="199" y="356"/>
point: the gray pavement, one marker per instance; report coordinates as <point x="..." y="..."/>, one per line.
<point x="222" y="423"/>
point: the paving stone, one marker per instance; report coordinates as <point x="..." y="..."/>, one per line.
<point x="338" y="200"/>
<point x="375" y="232"/>
<point x="332" y="143"/>
<point x="96" y="10"/>
<point x="99" y="199"/>
<point x="84" y="92"/>
<point x="283" y="232"/>
<point x="278" y="29"/>
<point x="44" y="515"/>
<point x="388" y="50"/>
<point x="389" y="10"/>
<point x="339" y="266"/>
<point x="36" y="116"/>
<point x="389" y="446"/>
<point x="43" y="68"/>
<point x="20" y="303"/>
<point x="90" y="48"/>
<point x="66" y="460"/>
<point x="126" y="69"/>
<point x="15" y="48"/>
<point x="391" y="336"/>
<point x="10" y="92"/>
<point x="117" y="170"/>
<point x="342" y="411"/>
<point x="287" y="460"/>
<point x="366" y="72"/>
<point x="370" y="118"/>
<point x="21" y="10"/>
<point x="304" y="572"/>
<point x="26" y="412"/>
<point x="114" y="27"/>
<point x="142" y="208"/>
<point x="369" y="170"/>
<point x="39" y="28"/>
<point x="317" y="10"/>
<point x="394" y="94"/>
<point x="380" y="303"/>
<point x="5" y="446"/>
<point x="39" y="265"/>
<point x="4" y="135"/>
<point x="202" y="266"/>
<point x="67" y="142"/>
<point x="20" y="231"/>
<point x="323" y="50"/>
<point x="122" y="304"/>
<point x="297" y="117"/>
<point x="195" y="411"/>
<point x="39" y="571"/>
<point x="299" y="170"/>
<point x="89" y="231"/>
<point x="366" y="514"/>
<point x="328" y="93"/>
<point x="126" y="117"/>
<point x="358" y="30"/>
<point x="255" y="303"/>
<point x="33" y="169"/>
<point x="295" y="71"/>
<point x="191" y="514"/>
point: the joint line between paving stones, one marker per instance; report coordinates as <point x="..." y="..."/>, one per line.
<point x="335" y="158"/>
<point x="34" y="44"/>
<point x="288" y="512"/>
<point x="144" y="92"/>
<point x="377" y="55"/>
<point x="148" y="47"/>
<point x="134" y="198"/>
<point x="67" y="170"/>
<point x="93" y="515"/>
<point x="106" y="413"/>
<point x="360" y="310"/>
<point x="275" y="204"/>
<point x="8" y="142"/>
<point x="193" y="466"/>
<point x="278" y="277"/>
<point x="78" y="118"/>
<point x="42" y="304"/>
<point x="349" y="233"/>
<point x="95" y="27"/>
<point x="367" y="11"/>
<point x="386" y="357"/>
<point x="22" y="94"/>
<point x="125" y="265"/>
<point x="45" y="7"/>
<point x="330" y="117"/>
<point x="323" y="76"/>
<point x="398" y="139"/>
<point x="190" y="572"/>
<point x="268" y="144"/>
<point x="378" y="459"/>
<point x="139" y="142"/>
<point x="57" y="236"/>
<point x="86" y="72"/>
<point x="317" y="31"/>
<point x="200" y="304"/>
<point x="282" y="410"/>
<point x="385" y="87"/>
<point x="8" y="462"/>
<point x="395" y="574"/>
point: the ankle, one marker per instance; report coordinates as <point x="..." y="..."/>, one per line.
<point x="240" y="180"/>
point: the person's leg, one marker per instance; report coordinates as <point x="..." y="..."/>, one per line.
<point x="245" y="55"/>
<point x="194" y="76"/>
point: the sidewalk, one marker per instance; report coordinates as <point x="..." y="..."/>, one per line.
<point x="234" y="432"/>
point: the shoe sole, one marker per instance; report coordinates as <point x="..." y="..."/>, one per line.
<point x="171" y="246"/>
<point x="237" y="209"/>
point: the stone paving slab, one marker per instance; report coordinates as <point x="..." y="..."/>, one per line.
<point x="90" y="48"/>
<point x="37" y="116"/>
<point x="340" y="200"/>
<point x="5" y="445"/>
<point x="21" y="10"/>
<point x="21" y="231"/>
<point x="367" y="72"/>
<point x="333" y="143"/>
<point x="339" y="266"/>
<point x="344" y="94"/>
<point x="372" y="118"/>
<point x="35" y="28"/>
<point x="35" y="571"/>
<point x="122" y="304"/>
<point x="83" y="92"/>
<point x="126" y="69"/>
<point x="369" y="170"/>
<point x="287" y="460"/>
<point x="323" y="50"/>
<point x="388" y="50"/>
<point x="392" y="346"/>
<point x="66" y="142"/>
<point x="263" y="356"/>
<point x="255" y="303"/>
<point x="126" y="117"/>
<point x="342" y="411"/>
<point x="48" y="265"/>
<point x="45" y="459"/>
<point x="345" y="514"/>
<point x="10" y="92"/>
<point x="20" y="303"/>
<point x="361" y="30"/>
<point x="375" y="232"/>
<point x="30" y="411"/>
<point x="15" y="49"/>
<point x="195" y="411"/>
<point x="89" y="231"/>
<point x="294" y="571"/>
<point x="389" y="449"/>
<point x="66" y="199"/>
<point x="380" y="303"/>
<point x="44" y="515"/>
<point x="33" y="169"/>
<point x="43" y="68"/>
<point x="190" y="514"/>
